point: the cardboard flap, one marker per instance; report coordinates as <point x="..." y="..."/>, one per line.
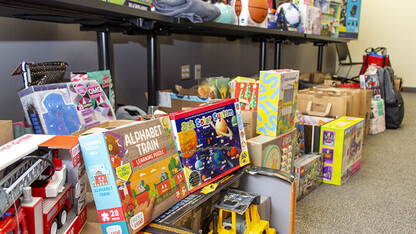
<point x="319" y="109"/>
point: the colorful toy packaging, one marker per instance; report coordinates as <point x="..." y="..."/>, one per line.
<point x="135" y="174"/>
<point x="64" y="108"/>
<point x="214" y="87"/>
<point x="370" y="82"/>
<point x="211" y="141"/>
<point x="341" y="146"/>
<point x="247" y="93"/>
<point x="273" y="152"/>
<point x="250" y="13"/>
<point x="330" y="19"/>
<point x="310" y="19"/>
<point x="277" y="101"/>
<point x="350" y="19"/>
<point x="300" y="139"/>
<point x="308" y="172"/>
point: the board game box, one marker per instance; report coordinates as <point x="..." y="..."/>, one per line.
<point x="211" y="141"/>
<point x="135" y="174"/>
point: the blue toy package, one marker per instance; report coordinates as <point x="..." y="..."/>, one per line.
<point x="64" y="108"/>
<point x="211" y="141"/>
<point x="350" y="19"/>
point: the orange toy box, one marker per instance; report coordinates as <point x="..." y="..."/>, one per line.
<point x="135" y="174"/>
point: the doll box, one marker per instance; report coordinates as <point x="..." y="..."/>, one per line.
<point x="341" y="146"/>
<point x="273" y="152"/>
<point x="277" y="102"/>
<point x="64" y="108"/>
<point x="135" y="174"/>
<point x="211" y="141"/>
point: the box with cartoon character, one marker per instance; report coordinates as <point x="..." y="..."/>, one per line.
<point x="211" y="141"/>
<point x="277" y="102"/>
<point x="135" y="174"/>
<point x="341" y="146"/>
<point x="273" y="152"/>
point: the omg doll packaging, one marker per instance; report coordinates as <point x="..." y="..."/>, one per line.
<point x="211" y="141"/>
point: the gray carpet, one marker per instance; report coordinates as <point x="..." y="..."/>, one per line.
<point x="380" y="197"/>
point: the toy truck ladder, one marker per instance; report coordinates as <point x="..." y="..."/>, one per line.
<point x="12" y="184"/>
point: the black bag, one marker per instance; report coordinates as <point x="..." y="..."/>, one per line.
<point x="393" y="100"/>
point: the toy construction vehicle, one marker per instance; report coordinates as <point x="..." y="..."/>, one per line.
<point x="238" y="215"/>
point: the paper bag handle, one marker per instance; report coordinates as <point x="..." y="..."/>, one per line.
<point x="317" y="113"/>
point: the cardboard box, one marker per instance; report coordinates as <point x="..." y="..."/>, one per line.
<point x="277" y="101"/>
<point x="244" y="18"/>
<point x="350" y="19"/>
<point x="341" y="145"/>
<point x="353" y="98"/>
<point x="211" y="141"/>
<point x="188" y="92"/>
<point x="174" y="102"/>
<point x="250" y="122"/>
<point x="6" y="131"/>
<point x="100" y="127"/>
<point x="64" y="108"/>
<point x="310" y="19"/>
<point x="308" y="172"/>
<point x="135" y="174"/>
<point x="273" y="152"/>
<point x="137" y="4"/>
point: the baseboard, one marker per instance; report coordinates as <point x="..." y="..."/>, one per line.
<point x="409" y="89"/>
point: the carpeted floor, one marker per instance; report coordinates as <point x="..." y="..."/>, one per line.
<point x="380" y="197"/>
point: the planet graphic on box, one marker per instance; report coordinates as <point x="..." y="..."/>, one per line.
<point x="222" y="129"/>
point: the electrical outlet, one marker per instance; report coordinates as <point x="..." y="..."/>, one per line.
<point x="185" y="72"/>
<point x="197" y="68"/>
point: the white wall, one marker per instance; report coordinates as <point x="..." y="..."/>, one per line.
<point x="389" y="24"/>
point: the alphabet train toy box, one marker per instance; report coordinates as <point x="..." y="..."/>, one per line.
<point x="211" y="141"/>
<point x="134" y="172"/>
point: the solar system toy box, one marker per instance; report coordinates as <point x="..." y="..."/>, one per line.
<point x="308" y="172"/>
<point x="341" y="145"/>
<point x="211" y="141"/>
<point x="64" y="108"/>
<point x="277" y="101"/>
<point x="135" y="174"/>
<point x="273" y="152"/>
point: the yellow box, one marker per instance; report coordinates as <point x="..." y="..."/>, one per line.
<point x="341" y="144"/>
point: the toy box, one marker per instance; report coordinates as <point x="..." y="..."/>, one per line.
<point x="310" y="22"/>
<point x="214" y="87"/>
<point x="211" y="141"/>
<point x="64" y="108"/>
<point x="349" y="23"/>
<point x="247" y="93"/>
<point x="138" y="4"/>
<point x="330" y="19"/>
<point x="134" y="172"/>
<point x="244" y="15"/>
<point x="300" y="139"/>
<point x="312" y="130"/>
<point x="277" y="101"/>
<point x="341" y="146"/>
<point x="308" y="172"/>
<point x="68" y="150"/>
<point x="370" y="82"/>
<point x="273" y="152"/>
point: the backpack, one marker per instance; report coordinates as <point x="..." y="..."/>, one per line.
<point x="393" y="100"/>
